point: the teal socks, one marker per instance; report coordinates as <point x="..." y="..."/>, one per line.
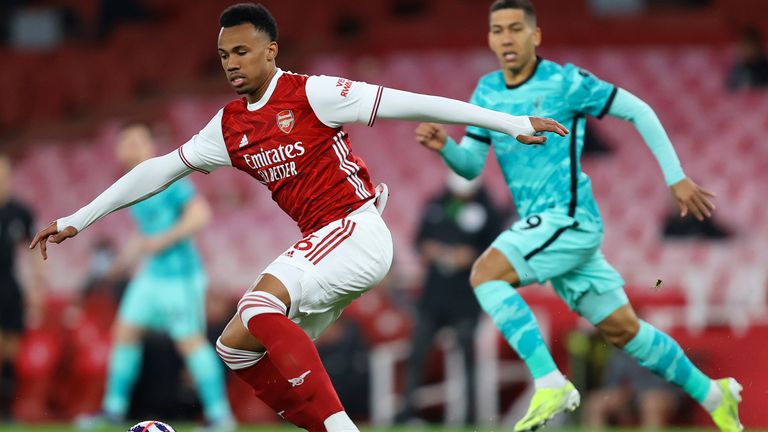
<point x="516" y="322"/>
<point x="208" y="374"/>
<point x="660" y="353"/>
<point x="124" y="366"/>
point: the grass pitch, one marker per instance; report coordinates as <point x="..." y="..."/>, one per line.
<point x="181" y="427"/>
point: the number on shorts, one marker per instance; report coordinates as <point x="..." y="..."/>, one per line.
<point x="304" y="244"/>
<point x="533" y="222"/>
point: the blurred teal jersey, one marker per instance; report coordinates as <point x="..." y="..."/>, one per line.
<point x="546" y="177"/>
<point x="159" y="214"/>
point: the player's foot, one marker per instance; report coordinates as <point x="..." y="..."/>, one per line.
<point x="546" y="404"/>
<point x="726" y="415"/>
<point x="97" y="421"/>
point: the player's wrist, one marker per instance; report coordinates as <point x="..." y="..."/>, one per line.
<point x="448" y="145"/>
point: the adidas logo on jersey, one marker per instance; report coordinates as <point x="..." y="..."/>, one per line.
<point x="244" y="141"/>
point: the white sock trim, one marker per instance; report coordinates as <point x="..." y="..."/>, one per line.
<point x="340" y="422"/>
<point x="714" y="397"/>
<point x="259" y="302"/>
<point x="237" y="359"/>
<point x="553" y="379"/>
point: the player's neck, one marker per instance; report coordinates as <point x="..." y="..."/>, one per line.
<point x="257" y="94"/>
<point x="514" y="77"/>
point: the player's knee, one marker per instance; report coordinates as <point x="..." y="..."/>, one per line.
<point x="191" y="344"/>
<point x="620" y="333"/>
<point x="125" y="334"/>
<point x="235" y="358"/>
<point x="479" y="274"/>
<point x="259" y="302"/>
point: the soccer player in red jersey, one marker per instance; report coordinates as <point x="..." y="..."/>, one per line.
<point x="286" y="132"/>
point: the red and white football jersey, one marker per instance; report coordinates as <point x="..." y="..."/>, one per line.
<point x="293" y="142"/>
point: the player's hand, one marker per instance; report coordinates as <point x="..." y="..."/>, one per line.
<point x="692" y="198"/>
<point x="431" y="136"/>
<point x="542" y="125"/>
<point x="53" y="235"/>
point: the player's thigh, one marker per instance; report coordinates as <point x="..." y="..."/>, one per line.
<point x="184" y="306"/>
<point x="142" y="301"/>
<point x="594" y="289"/>
<point x="330" y="268"/>
<point x="190" y="344"/>
<point x="544" y="246"/>
<point x="322" y="273"/>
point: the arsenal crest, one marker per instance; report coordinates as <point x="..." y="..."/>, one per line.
<point x="285" y="121"/>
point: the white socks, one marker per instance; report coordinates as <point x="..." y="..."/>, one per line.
<point x="553" y="379"/>
<point x="714" y="397"/>
<point x="340" y="422"/>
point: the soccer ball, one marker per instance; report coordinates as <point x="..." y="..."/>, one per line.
<point x="151" y="426"/>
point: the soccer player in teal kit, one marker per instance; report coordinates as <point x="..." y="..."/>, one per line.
<point x="168" y="292"/>
<point x="559" y="233"/>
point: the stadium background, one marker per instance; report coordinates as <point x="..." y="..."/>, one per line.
<point x="73" y="69"/>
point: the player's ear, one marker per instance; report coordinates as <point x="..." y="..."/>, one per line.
<point x="272" y="51"/>
<point x="537" y="37"/>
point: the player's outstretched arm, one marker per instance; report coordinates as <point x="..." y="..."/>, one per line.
<point x="690" y="197"/>
<point x="397" y="104"/>
<point x="145" y="180"/>
<point x="337" y="101"/>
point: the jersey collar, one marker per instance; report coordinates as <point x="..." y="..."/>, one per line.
<point x="267" y="94"/>
<point x="535" y="68"/>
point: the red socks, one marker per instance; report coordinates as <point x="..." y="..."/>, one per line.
<point x="275" y="391"/>
<point x="295" y="359"/>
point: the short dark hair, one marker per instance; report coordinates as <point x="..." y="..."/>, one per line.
<point x="253" y="13"/>
<point x="525" y="5"/>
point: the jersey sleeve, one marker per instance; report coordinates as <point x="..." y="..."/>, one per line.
<point x="206" y="151"/>
<point x="337" y="101"/>
<point x="586" y="93"/>
<point x="475" y="133"/>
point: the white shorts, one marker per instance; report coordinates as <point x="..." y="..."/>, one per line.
<point x="334" y="265"/>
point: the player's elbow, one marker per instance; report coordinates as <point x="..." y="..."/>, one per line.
<point x="644" y="110"/>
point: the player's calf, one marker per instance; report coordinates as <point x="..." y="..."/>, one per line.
<point x="289" y="350"/>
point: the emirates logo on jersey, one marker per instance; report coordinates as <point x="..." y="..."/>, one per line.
<point x="285" y="121"/>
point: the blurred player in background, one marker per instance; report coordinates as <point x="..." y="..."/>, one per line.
<point x="16" y="226"/>
<point x="558" y="236"/>
<point x="168" y="292"/>
<point x="286" y="132"/>
<point x="456" y="226"/>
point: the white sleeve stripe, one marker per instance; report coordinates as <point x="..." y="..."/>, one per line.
<point x="188" y="164"/>
<point x="375" y="106"/>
